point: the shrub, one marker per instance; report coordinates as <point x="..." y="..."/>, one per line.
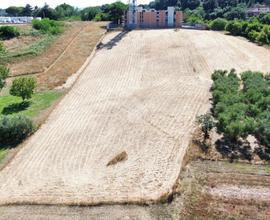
<point x="4" y="72"/>
<point x="8" y="32"/>
<point x="218" y="24"/>
<point x="14" y="129"/>
<point x="207" y="123"/>
<point x="264" y="35"/>
<point x="47" y="26"/>
<point x="253" y="35"/>
<point x="23" y="87"/>
<point x="234" y="27"/>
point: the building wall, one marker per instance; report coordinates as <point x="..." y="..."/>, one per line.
<point x="157" y="19"/>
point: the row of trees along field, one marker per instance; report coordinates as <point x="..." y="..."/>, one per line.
<point x="107" y="12"/>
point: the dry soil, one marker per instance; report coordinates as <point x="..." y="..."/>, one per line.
<point x="140" y="94"/>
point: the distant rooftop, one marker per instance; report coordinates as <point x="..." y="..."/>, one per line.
<point x="16" y="20"/>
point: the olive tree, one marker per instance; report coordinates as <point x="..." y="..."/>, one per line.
<point x="23" y="87"/>
<point x="206" y="123"/>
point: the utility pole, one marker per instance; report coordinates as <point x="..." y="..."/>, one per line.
<point x="132" y="14"/>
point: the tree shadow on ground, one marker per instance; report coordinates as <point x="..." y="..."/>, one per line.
<point x="15" y="107"/>
<point x="234" y="149"/>
<point x="113" y="42"/>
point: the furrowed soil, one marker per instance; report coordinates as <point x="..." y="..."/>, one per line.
<point x="140" y="95"/>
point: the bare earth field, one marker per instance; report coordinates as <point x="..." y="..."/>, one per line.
<point x="140" y="94"/>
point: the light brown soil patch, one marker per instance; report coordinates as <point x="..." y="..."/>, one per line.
<point x="142" y="91"/>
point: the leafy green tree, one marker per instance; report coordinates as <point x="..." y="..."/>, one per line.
<point x="218" y="24"/>
<point x="23" y="87"/>
<point x="163" y="4"/>
<point x="116" y="11"/>
<point x="190" y="4"/>
<point x="27" y="10"/>
<point x="234" y="27"/>
<point x="46" y="12"/>
<point x="206" y="123"/>
<point x="4" y="73"/>
<point x="90" y="13"/>
<point x="14" y="11"/>
<point x="238" y="12"/>
<point x="65" y="10"/>
<point x="210" y="5"/>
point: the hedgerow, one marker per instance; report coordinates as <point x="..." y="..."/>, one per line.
<point x="254" y="30"/>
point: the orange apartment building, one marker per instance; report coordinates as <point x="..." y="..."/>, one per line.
<point x="152" y="18"/>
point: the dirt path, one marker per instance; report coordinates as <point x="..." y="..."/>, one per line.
<point x="140" y="94"/>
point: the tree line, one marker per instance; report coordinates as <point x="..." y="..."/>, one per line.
<point x="108" y="12"/>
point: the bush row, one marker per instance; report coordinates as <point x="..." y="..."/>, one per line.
<point x="256" y="30"/>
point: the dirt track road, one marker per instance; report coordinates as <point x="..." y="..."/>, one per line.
<point x="140" y="94"/>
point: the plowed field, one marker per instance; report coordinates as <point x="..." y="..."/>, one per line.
<point x="140" y="94"/>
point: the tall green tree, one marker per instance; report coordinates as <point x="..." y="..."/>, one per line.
<point x="14" y="11"/>
<point x="65" y="10"/>
<point x="23" y="87"/>
<point x="46" y="12"/>
<point x="90" y="13"/>
<point x="116" y="11"/>
<point x="27" y="10"/>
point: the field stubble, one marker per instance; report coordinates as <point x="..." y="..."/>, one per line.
<point x="140" y="94"/>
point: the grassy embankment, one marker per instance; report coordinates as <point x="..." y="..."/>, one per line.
<point x="13" y="105"/>
<point x="31" y="41"/>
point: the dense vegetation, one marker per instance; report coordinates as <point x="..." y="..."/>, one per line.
<point x="48" y="26"/>
<point x="23" y="87"/>
<point x="241" y="106"/>
<point x="17" y="109"/>
<point x="254" y="29"/>
<point x="14" y="129"/>
<point x="108" y="12"/>
<point x="8" y="32"/>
